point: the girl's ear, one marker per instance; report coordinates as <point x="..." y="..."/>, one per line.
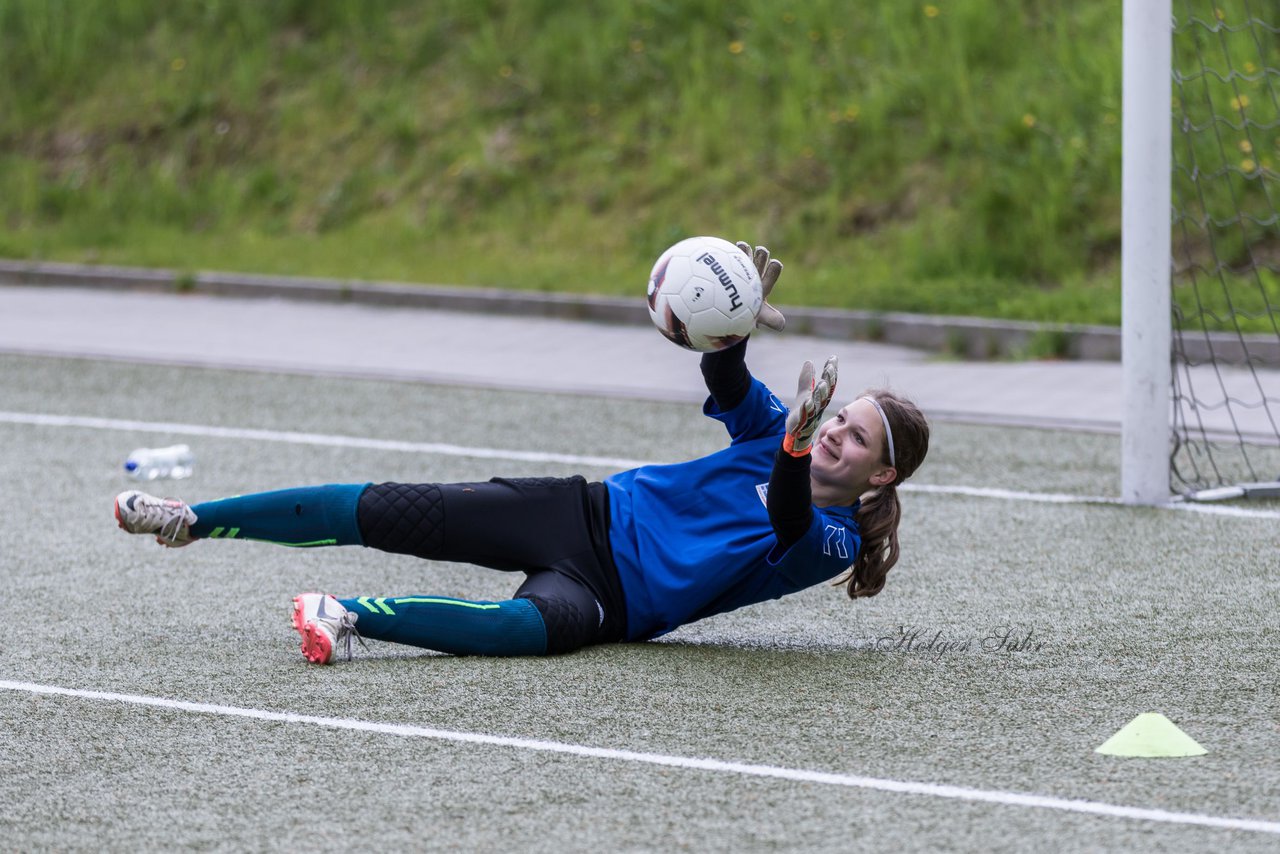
<point x="884" y="476"/>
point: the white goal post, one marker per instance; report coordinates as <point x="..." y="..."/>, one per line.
<point x="1146" y="234"/>
<point x="1200" y="250"/>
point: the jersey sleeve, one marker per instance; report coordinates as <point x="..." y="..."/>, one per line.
<point x="828" y="547"/>
<point x="759" y="414"/>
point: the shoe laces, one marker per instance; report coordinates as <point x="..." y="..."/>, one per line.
<point x="171" y="528"/>
<point x="347" y="631"/>
<point x="167" y="514"/>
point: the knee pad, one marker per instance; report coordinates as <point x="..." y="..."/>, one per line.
<point x="406" y="518"/>
<point x="568" y="626"/>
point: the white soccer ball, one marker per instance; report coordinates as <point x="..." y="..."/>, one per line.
<point x="705" y="294"/>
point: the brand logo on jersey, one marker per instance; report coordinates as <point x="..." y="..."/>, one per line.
<point x="835" y="536"/>
<point x="762" y="489"/>
<point x="775" y="404"/>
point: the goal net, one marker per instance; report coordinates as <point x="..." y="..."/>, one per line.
<point x="1224" y="198"/>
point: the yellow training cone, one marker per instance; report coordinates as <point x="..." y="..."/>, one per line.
<point x="1151" y="734"/>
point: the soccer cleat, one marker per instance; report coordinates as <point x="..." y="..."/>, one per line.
<point x="323" y="624"/>
<point x="168" y="518"/>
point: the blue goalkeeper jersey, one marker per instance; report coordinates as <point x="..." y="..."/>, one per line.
<point x="694" y="539"/>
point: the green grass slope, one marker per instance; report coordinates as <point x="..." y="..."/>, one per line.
<point x="959" y="157"/>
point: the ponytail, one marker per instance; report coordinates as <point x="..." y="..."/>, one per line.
<point x="877" y="520"/>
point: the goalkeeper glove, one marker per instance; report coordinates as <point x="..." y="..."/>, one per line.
<point x="811" y="401"/>
<point x="769" y="270"/>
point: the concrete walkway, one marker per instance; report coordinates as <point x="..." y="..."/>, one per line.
<point x="533" y="354"/>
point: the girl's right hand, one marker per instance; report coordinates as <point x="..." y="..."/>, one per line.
<point x="769" y="270"/>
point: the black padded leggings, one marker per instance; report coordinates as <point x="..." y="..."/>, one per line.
<point x="553" y="529"/>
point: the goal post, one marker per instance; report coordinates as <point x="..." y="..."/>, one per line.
<point x="1146" y="301"/>
<point x="1200" y="250"/>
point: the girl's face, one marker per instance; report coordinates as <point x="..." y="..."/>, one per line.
<point x="848" y="451"/>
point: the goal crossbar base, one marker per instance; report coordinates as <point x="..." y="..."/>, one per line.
<point x="1240" y="490"/>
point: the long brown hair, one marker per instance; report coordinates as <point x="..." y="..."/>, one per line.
<point x="880" y="511"/>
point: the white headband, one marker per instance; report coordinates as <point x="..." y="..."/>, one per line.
<point x="888" y="434"/>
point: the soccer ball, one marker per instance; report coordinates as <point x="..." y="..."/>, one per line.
<point x="704" y="294"/>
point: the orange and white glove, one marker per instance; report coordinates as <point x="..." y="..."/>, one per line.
<point x="811" y="401"/>
<point x="769" y="270"/>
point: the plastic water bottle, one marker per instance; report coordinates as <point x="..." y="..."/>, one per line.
<point x="175" y="461"/>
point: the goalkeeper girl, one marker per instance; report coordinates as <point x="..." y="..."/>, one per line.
<point x="787" y="505"/>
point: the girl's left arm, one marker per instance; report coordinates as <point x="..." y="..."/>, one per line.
<point x="726" y="375"/>
<point x="790" y="499"/>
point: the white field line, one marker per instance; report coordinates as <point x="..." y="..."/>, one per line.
<point x="294" y="438"/>
<point x="690" y="763"/>
<point x="615" y="463"/>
